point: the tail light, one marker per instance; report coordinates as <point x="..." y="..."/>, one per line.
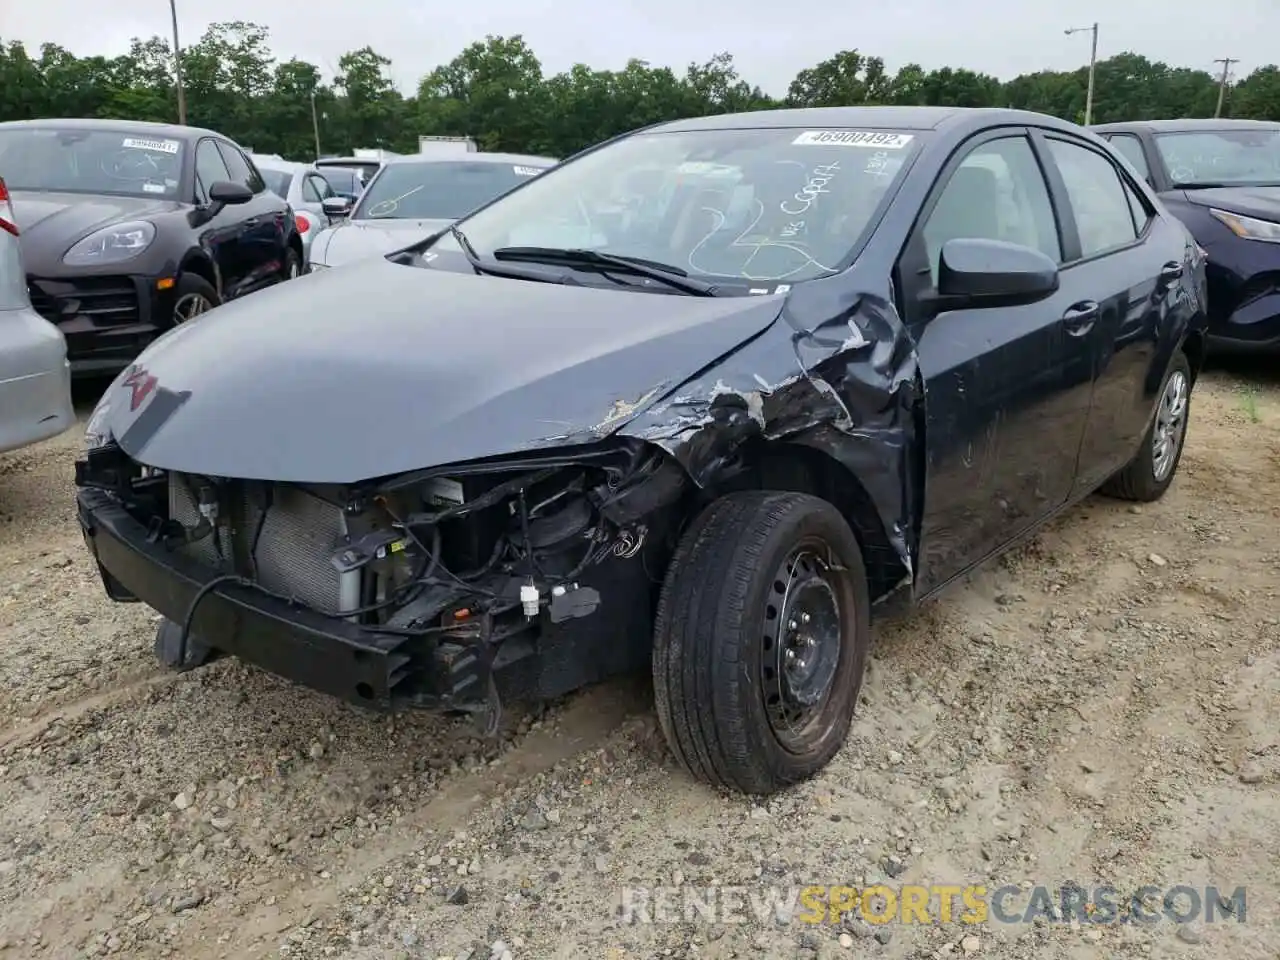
<point x="303" y="223"/>
<point x="8" y="223"/>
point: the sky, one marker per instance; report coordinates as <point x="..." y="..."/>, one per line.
<point x="770" y="41"/>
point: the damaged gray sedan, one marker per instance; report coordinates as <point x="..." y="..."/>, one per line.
<point x="700" y="400"/>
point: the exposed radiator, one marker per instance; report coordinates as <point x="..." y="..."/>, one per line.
<point x="298" y="538"/>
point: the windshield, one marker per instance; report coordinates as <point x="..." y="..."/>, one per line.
<point x="116" y="162"/>
<point x="343" y="180"/>
<point x="277" y="181"/>
<point x="764" y="205"/>
<point x="1243" y="157"/>
<point x="438" y="190"/>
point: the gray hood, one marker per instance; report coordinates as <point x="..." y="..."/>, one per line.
<point x="361" y="239"/>
<point x="378" y="369"/>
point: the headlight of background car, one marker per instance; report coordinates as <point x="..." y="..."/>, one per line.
<point x="1250" y="228"/>
<point x="96" y="434"/>
<point x="115" y="244"/>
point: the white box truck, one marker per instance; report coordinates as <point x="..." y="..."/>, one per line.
<point x="437" y="145"/>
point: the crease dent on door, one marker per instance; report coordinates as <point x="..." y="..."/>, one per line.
<point x="848" y="389"/>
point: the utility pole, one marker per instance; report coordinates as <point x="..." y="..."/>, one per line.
<point x="177" y="64"/>
<point x="1093" y="62"/>
<point x="1222" y="84"/>
<point x="315" y="123"/>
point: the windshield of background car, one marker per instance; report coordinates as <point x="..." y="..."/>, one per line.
<point x="277" y="181"/>
<point x="759" y="204"/>
<point x="438" y="189"/>
<point x="1245" y="157"/>
<point x="116" y="162"/>
<point x="344" y="180"/>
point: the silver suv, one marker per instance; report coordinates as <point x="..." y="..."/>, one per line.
<point x="35" y="378"/>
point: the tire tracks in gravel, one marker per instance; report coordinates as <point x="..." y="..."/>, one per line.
<point x="586" y="723"/>
<point x="137" y="682"/>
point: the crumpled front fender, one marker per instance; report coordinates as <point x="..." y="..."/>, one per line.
<point x="847" y="387"/>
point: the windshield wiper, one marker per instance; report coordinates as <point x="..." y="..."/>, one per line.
<point x="479" y="266"/>
<point x="1213" y="185"/>
<point x="665" y="273"/>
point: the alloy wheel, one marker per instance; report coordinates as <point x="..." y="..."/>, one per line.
<point x="1171" y="425"/>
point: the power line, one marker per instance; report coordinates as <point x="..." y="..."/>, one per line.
<point x="1222" y="83"/>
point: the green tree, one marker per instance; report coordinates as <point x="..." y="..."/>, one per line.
<point x="495" y="90"/>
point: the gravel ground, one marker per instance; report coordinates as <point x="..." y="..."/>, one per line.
<point x="1101" y="706"/>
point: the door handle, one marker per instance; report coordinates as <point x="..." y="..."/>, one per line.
<point x="252" y="221"/>
<point x="1080" y="317"/>
<point x="1171" y="272"/>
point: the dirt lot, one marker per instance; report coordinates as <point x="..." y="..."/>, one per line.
<point x="1101" y="707"/>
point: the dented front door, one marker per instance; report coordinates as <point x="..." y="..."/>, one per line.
<point x="1007" y="390"/>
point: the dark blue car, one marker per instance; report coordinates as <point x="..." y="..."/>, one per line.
<point x="1222" y="179"/>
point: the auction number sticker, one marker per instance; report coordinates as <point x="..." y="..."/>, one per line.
<point x="160" y="146"/>
<point x="854" y="138"/>
<point x="526" y="171"/>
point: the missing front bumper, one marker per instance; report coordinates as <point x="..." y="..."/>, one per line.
<point x="332" y="656"/>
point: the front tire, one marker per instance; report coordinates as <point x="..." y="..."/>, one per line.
<point x="1149" y="474"/>
<point x="194" y="296"/>
<point x="761" y="640"/>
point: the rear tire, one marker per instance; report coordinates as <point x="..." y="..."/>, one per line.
<point x="292" y="268"/>
<point x="198" y="653"/>
<point x="759" y="574"/>
<point x="1152" y="469"/>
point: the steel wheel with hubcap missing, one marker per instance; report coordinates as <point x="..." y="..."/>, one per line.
<point x="761" y="640"/>
<point x="802" y="641"/>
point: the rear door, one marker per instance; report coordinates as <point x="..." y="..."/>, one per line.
<point x="264" y="222"/>
<point x="1007" y="389"/>
<point x="1131" y="260"/>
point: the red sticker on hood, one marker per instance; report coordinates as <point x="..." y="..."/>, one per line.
<point x="142" y="383"/>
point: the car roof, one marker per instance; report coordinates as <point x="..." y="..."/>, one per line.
<point x="141" y="127"/>
<point x="1189" y="125"/>
<point x="883" y="117"/>
<point x="286" y="166"/>
<point x="475" y="156"/>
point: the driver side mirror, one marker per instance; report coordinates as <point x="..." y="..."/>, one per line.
<point x="225" y="193"/>
<point x="975" y="273"/>
<point x="335" y="208"/>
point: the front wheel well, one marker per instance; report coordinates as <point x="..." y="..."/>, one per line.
<point x="796" y="468"/>
<point x="201" y="268"/>
<point x="1194" y="347"/>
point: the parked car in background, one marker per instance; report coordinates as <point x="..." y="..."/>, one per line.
<point x="304" y="189"/>
<point x="414" y="195"/>
<point x="130" y="228"/>
<point x="1222" y="179"/>
<point x="348" y="176"/>
<point x="35" y="378"/>
<point x="790" y="364"/>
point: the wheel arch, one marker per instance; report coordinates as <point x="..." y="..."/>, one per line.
<point x="1195" y="347"/>
<point x="201" y="265"/>
<point x="799" y="467"/>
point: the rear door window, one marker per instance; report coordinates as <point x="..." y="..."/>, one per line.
<point x="1102" y="209"/>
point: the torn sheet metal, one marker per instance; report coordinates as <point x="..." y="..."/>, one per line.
<point x="846" y="386"/>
